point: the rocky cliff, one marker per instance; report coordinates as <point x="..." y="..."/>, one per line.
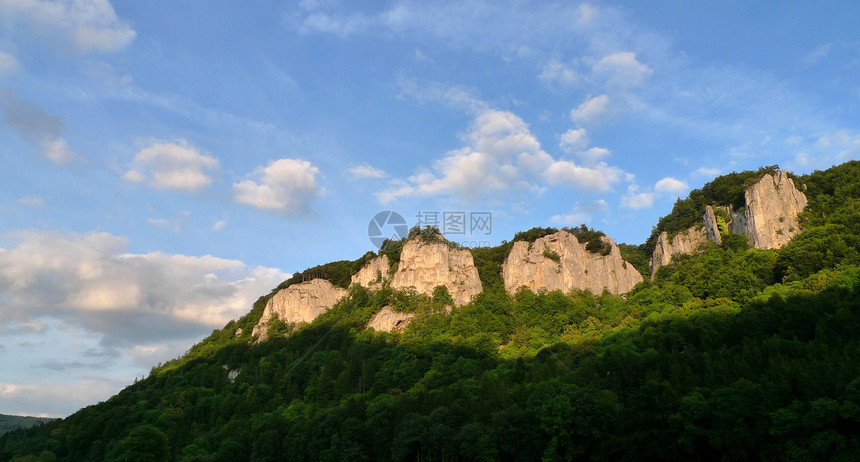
<point x="299" y="303"/>
<point x="768" y="219"/>
<point x="373" y="274"/>
<point x="772" y="206"/>
<point x="560" y="262"/>
<point x="426" y="264"/>
<point x="388" y="320"/>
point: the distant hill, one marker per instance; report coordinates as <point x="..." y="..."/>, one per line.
<point x="10" y="423"/>
<point x="730" y="352"/>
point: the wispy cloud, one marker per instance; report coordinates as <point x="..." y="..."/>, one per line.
<point x="38" y="128"/>
<point x="87" y="25"/>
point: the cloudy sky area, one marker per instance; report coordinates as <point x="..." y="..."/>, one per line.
<point x="163" y="164"/>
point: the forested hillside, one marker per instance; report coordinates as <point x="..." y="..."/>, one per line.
<point x="729" y="354"/>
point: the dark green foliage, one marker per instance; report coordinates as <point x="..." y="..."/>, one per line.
<point x="533" y="234"/>
<point x="552" y="255"/>
<point x="593" y="239"/>
<point x="636" y="256"/>
<point x="489" y="261"/>
<point x="145" y="443"/>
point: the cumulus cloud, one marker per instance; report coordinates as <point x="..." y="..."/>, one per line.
<point x="622" y="69"/>
<point x="8" y="64"/>
<point x="42" y="130"/>
<point x="87" y="25"/>
<point x="366" y="171"/>
<point x="176" y="165"/>
<point x="590" y="109"/>
<point x="285" y="185"/>
<point x="574" y="140"/>
<point x="501" y="154"/>
<point x="670" y="184"/>
<point x="598" y="177"/>
<point x="90" y="282"/>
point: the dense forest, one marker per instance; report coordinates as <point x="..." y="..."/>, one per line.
<point x="729" y="354"/>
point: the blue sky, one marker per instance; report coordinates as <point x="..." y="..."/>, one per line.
<point x="163" y="164"/>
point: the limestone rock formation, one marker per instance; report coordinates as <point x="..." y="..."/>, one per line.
<point x="388" y="320"/>
<point x="427" y="264"/>
<point x="712" y="228"/>
<point x="560" y="262"/>
<point x="772" y="206"/>
<point x="768" y="219"/>
<point x="684" y="242"/>
<point x="374" y="273"/>
<point x="299" y="303"/>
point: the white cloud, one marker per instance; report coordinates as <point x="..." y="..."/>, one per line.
<point x="285" y="185"/>
<point x="590" y="109"/>
<point x="366" y="171"/>
<point x="622" y="69"/>
<point x="594" y="154"/>
<point x="582" y="213"/>
<point x="8" y="64"/>
<point x="636" y="200"/>
<point x="557" y="72"/>
<point x="598" y="177"/>
<point x="574" y="140"/>
<point x="802" y="158"/>
<point x="36" y="127"/>
<point x="176" y="165"/>
<point x="88" y="25"/>
<point x="670" y="184"/>
<point x="89" y="281"/>
<point x="704" y="171"/>
<point x="502" y="154"/>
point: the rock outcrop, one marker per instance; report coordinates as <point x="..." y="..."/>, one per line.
<point x="388" y="320"/>
<point x="712" y="227"/>
<point x="427" y="264"/>
<point x="684" y="242"/>
<point x="560" y="262"/>
<point x="299" y="303"/>
<point x="768" y="219"/>
<point x="373" y="274"/>
<point x="772" y="206"/>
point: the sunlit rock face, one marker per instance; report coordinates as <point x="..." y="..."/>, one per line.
<point x="427" y="264"/>
<point x="768" y="219"/>
<point x="772" y="207"/>
<point x="685" y="242"/>
<point x="373" y="274"/>
<point x="560" y="262"/>
<point x="299" y="303"/>
<point x="388" y="320"/>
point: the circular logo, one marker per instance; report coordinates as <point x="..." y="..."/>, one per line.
<point x="386" y="225"/>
